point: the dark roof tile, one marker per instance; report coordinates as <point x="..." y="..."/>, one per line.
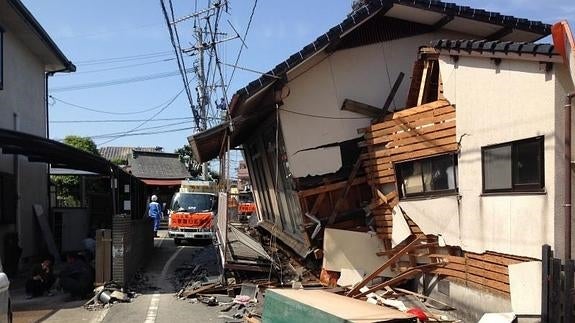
<point x="494" y="46"/>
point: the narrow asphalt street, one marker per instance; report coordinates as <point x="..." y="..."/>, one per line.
<point x="156" y="303"/>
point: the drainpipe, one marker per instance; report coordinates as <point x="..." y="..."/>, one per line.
<point x="567" y="199"/>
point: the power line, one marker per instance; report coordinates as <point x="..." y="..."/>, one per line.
<point x="323" y="117"/>
<point x="107" y="112"/>
<point x="116" y="82"/>
<point x="145" y="134"/>
<point x="243" y="41"/>
<point x="147" y="120"/>
<point x="111" y="60"/>
<point x="118" y="120"/>
<point x="117" y="67"/>
<point x="113" y="134"/>
<point x="181" y="64"/>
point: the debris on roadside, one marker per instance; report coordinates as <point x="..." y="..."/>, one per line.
<point x="108" y="294"/>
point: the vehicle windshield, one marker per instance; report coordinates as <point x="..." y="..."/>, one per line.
<point x="191" y="202"/>
<point x="246" y="198"/>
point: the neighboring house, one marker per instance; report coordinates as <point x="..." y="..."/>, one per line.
<point x="243" y="176"/>
<point x="121" y="154"/>
<point x="28" y="56"/>
<point x="161" y="172"/>
<point x="296" y="125"/>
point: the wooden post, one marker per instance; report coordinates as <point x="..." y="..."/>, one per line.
<point x="546" y="256"/>
<point x="568" y="292"/>
<point x="103" y="256"/>
<point x="555" y="291"/>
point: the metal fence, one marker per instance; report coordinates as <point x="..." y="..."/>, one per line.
<point x="557" y="289"/>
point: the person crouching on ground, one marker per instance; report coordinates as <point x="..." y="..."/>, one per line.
<point x="155" y="212"/>
<point x="77" y="277"/>
<point x="41" y="280"/>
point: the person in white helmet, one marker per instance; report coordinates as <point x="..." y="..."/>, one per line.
<point x="155" y="212"/>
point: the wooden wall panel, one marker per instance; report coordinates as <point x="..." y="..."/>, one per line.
<point x="414" y="133"/>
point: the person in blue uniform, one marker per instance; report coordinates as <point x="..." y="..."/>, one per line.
<point x="155" y="212"/>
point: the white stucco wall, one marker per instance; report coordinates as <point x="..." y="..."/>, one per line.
<point x="24" y="94"/>
<point x="516" y="100"/>
<point x="364" y="74"/>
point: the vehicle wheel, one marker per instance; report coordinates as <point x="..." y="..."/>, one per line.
<point x="177" y="241"/>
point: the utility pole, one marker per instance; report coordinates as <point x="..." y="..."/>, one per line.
<point x="206" y="64"/>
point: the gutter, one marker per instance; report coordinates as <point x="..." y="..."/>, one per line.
<point x="25" y="13"/>
<point x="567" y="198"/>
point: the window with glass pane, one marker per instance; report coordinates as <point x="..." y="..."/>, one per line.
<point x="513" y="167"/>
<point x="427" y="176"/>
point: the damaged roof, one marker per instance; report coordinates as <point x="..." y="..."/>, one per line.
<point x="436" y="14"/>
<point x="375" y="21"/>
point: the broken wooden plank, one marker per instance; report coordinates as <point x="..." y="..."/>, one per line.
<point x="428" y="152"/>
<point x="385" y="265"/>
<point x="423" y="144"/>
<point x="428" y="118"/>
<point x="329" y="187"/>
<point x="343" y="195"/>
<point x="361" y="108"/>
<point x="417" y="109"/>
<point x="408" y="274"/>
<point x="374" y="139"/>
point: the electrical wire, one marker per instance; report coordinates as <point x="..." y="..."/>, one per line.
<point x="243" y="41"/>
<point x="108" y="112"/>
<point x="111" y="60"/>
<point x="117" y="67"/>
<point x="113" y="134"/>
<point x="324" y="117"/>
<point x="136" y="79"/>
<point x="181" y="64"/>
<point x="132" y="134"/>
<point x="147" y="120"/>
<point x="118" y="120"/>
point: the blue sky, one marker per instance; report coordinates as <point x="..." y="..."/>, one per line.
<point x="93" y="34"/>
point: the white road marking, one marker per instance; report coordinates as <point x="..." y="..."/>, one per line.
<point x="153" y="308"/>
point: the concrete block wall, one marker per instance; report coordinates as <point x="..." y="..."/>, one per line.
<point x="132" y="240"/>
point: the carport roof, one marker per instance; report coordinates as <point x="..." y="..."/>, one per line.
<point x="57" y="154"/>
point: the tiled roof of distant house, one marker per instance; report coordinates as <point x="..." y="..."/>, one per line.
<point x="122" y="153"/>
<point x="157" y="165"/>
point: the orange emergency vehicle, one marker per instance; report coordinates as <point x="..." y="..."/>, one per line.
<point x="246" y="205"/>
<point x="192" y="211"/>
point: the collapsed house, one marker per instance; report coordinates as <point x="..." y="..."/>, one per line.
<point x="464" y="157"/>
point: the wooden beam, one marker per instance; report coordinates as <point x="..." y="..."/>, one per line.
<point x="343" y="195"/>
<point x="329" y="187"/>
<point x="385" y="265"/>
<point x="361" y="108"/>
<point x="408" y="274"/>
<point x="391" y="94"/>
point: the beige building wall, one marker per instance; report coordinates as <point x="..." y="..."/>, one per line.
<point x="22" y="108"/>
<point x="364" y="74"/>
<point x="497" y="104"/>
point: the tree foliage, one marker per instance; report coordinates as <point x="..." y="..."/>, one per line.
<point x="82" y="143"/>
<point x="68" y="186"/>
